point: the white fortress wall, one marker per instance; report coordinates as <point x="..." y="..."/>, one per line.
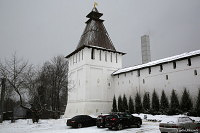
<point x="179" y="77"/>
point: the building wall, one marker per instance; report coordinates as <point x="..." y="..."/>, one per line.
<point x="183" y="76"/>
<point x="90" y="81"/>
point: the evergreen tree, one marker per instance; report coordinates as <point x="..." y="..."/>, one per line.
<point x="155" y="101"/>
<point x="120" y="104"/>
<point x="125" y="103"/>
<point x="138" y="103"/>
<point x="174" y="104"/>
<point x="131" y="105"/>
<point x="197" y="108"/>
<point x="164" y="104"/>
<point x="114" y="106"/>
<point x="146" y="102"/>
<point x="186" y="102"/>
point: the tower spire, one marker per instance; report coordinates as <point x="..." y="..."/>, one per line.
<point x="95" y="4"/>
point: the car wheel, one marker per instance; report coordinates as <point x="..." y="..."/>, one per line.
<point x="138" y="124"/>
<point x="98" y="126"/>
<point x="119" y="126"/>
<point x="110" y="128"/>
<point x="80" y="125"/>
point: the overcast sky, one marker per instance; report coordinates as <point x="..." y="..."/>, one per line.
<point x="38" y="30"/>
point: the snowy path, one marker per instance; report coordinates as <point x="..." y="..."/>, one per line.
<point x="58" y="126"/>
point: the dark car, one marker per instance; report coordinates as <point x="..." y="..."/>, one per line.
<point x="81" y="121"/>
<point x="101" y="120"/>
<point x="121" y="120"/>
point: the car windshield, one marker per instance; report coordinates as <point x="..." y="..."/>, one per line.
<point x="80" y="117"/>
<point x="184" y="119"/>
<point x="112" y="116"/>
<point x="170" y="120"/>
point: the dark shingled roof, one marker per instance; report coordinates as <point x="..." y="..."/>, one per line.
<point x="95" y="33"/>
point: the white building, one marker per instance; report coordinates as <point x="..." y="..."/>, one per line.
<point x="96" y="74"/>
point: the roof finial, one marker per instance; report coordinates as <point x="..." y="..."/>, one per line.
<point x="95" y="4"/>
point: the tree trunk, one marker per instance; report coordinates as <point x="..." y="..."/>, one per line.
<point x="3" y="84"/>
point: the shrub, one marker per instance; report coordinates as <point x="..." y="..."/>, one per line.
<point x="131" y="105"/>
<point x="125" y="103"/>
<point x="114" y="106"/>
<point x="155" y="101"/>
<point x="174" y="104"/>
<point x="186" y="102"/>
<point x="146" y="102"/>
<point x="164" y="104"/>
<point x="120" y="104"/>
<point x="138" y="103"/>
<point x="197" y="107"/>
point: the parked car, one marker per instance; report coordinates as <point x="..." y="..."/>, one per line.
<point x="179" y="124"/>
<point x="80" y="121"/>
<point x="120" y="120"/>
<point x="101" y="120"/>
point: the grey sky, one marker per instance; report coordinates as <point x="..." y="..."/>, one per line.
<point x="40" y="29"/>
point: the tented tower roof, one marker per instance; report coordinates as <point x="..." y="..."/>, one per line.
<point x="95" y="33"/>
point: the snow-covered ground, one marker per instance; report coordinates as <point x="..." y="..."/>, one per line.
<point x="59" y="126"/>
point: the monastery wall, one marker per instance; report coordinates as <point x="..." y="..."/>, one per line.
<point x="177" y="75"/>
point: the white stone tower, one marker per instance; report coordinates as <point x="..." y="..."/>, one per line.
<point x="145" y="49"/>
<point x="90" y="67"/>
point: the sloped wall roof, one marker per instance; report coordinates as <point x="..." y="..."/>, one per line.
<point x="157" y="62"/>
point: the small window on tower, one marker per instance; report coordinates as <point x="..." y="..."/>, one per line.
<point x="76" y="58"/>
<point x="100" y="55"/>
<point x="138" y="72"/>
<point x="118" y="75"/>
<point x="189" y="62"/>
<point x="149" y="70"/>
<point x="73" y="59"/>
<point x="93" y="54"/>
<point x="167" y="77"/>
<point x="105" y="56"/>
<point x="82" y="54"/>
<point x="79" y="56"/>
<point x="108" y="84"/>
<point x="116" y="57"/>
<point x="143" y="81"/>
<point x="125" y="74"/>
<point x="174" y="65"/>
<point x="195" y="72"/>
<point x="111" y="57"/>
<point x="161" y="68"/>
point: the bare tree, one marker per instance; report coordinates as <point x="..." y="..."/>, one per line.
<point x="17" y="73"/>
<point x="14" y="71"/>
<point x="53" y="80"/>
<point x="44" y="89"/>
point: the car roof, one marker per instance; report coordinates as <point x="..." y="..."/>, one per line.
<point x="173" y="119"/>
<point x="77" y="116"/>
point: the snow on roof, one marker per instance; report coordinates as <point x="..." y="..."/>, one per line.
<point x="156" y="62"/>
